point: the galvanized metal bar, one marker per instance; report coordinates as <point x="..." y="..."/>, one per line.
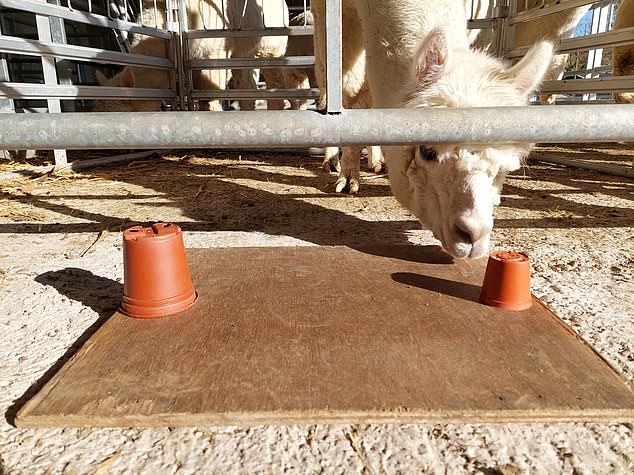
<point x="128" y="157"/>
<point x="13" y="90"/>
<point x="6" y="105"/>
<point x="481" y="23"/>
<point x="81" y="17"/>
<point x="252" y="129"/>
<point x="593" y="71"/>
<point x="607" y="84"/>
<point x="50" y="78"/>
<point x="534" y="13"/>
<point x="273" y="31"/>
<point x="254" y="63"/>
<point x="84" y="164"/>
<point x="597" y="167"/>
<point x="500" y="15"/>
<point x="63" y="67"/>
<point x="509" y="29"/>
<point x="183" y="77"/>
<point x="334" y="65"/>
<point x="312" y="93"/>
<point x="32" y="110"/>
<point x="11" y="44"/>
<point x="620" y="37"/>
<point x="578" y="100"/>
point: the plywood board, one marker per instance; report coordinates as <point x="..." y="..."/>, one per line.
<point x="332" y="334"/>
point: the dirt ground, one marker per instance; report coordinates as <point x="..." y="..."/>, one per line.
<point x="61" y="275"/>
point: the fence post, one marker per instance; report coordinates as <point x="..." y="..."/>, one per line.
<point x="6" y="105"/>
<point x="509" y="29"/>
<point x="334" y="56"/>
<point x="50" y="75"/>
<point x="176" y="22"/>
<point x="500" y="13"/>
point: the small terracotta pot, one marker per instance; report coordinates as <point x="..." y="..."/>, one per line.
<point x="156" y="276"/>
<point x="507" y="281"/>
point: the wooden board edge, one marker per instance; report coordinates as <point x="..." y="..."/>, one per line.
<point x="328" y="417"/>
<point x="31" y="405"/>
<point x="551" y="314"/>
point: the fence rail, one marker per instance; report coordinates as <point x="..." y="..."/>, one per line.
<point x="87" y="18"/>
<point x="477" y="126"/>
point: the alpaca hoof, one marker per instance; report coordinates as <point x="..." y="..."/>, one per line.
<point x="349" y="184"/>
<point x="353" y="186"/>
<point x="375" y="167"/>
<point x="376" y="161"/>
<point x="341" y="184"/>
<point x="331" y="165"/>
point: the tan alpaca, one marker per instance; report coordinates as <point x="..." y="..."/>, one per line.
<point x="208" y="14"/>
<point x="300" y="78"/>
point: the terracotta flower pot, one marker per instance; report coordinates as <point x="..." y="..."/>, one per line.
<point x="507" y="281"/>
<point x="156" y="276"/>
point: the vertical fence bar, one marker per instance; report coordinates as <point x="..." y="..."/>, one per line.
<point x="50" y="76"/>
<point x="509" y="30"/>
<point x="63" y="67"/>
<point x="600" y="24"/>
<point x="334" y="56"/>
<point x="6" y="105"/>
<point x="500" y="13"/>
<point x="176" y="22"/>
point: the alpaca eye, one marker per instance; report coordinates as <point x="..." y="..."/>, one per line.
<point x="427" y="153"/>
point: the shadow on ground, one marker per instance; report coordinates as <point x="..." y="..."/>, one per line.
<point x="256" y="192"/>
<point x="99" y="293"/>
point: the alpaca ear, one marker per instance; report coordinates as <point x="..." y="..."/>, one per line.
<point x="431" y="58"/>
<point x="127" y="77"/>
<point x="529" y="72"/>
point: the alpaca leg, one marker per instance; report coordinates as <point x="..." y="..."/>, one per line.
<point x="210" y="80"/>
<point x="296" y="79"/>
<point x="274" y="80"/>
<point x="350" y="164"/>
<point x="318" y="9"/>
<point x="301" y="104"/>
<point x="331" y="160"/>
<point x="245" y="79"/>
<point x="375" y="158"/>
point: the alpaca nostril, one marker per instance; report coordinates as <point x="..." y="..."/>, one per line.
<point x="463" y="234"/>
<point x="471" y="231"/>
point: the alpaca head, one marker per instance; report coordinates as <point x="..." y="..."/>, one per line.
<point x="452" y="189"/>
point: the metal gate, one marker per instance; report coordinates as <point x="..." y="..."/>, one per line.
<point x="72" y="39"/>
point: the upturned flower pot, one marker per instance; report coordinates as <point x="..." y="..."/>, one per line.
<point x="156" y="275"/>
<point x="507" y="281"/>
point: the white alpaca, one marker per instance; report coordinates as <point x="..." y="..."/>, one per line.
<point x="623" y="56"/>
<point x="552" y="27"/>
<point x="208" y="14"/>
<point x="418" y="55"/>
